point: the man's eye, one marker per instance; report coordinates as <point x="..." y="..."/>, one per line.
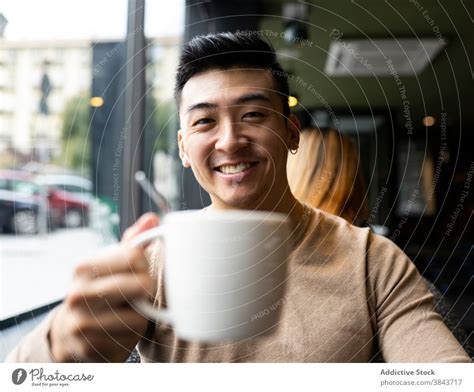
<point x="203" y="121"/>
<point x="253" y="115"/>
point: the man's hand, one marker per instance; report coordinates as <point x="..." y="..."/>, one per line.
<point x="97" y="321"/>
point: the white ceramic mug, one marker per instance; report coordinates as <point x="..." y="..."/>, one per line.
<point x="224" y="273"/>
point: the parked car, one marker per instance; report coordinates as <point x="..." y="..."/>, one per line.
<point x="16" y="215"/>
<point x="81" y="187"/>
<point x="19" y="203"/>
<point x="67" y="209"/>
<point x="70" y="197"/>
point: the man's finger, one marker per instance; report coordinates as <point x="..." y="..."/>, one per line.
<point x="146" y="222"/>
<point x="119" y="323"/>
<point x="110" y="291"/>
<point x="118" y="258"/>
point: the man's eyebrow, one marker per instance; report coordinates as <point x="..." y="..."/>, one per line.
<point x="252" y="97"/>
<point x="239" y="101"/>
<point x="200" y="106"/>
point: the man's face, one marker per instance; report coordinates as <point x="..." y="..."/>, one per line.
<point x="235" y="137"/>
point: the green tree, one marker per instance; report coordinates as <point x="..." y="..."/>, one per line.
<point x="160" y="130"/>
<point x="162" y="126"/>
<point x="75" y="143"/>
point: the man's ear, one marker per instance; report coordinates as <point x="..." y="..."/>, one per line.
<point x="182" y="151"/>
<point x="294" y="129"/>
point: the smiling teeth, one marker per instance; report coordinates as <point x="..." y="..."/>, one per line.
<point x="235" y="169"/>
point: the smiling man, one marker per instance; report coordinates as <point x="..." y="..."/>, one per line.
<point x="236" y="138"/>
<point x="351" y="295"/>
<point x="236" y="132"/>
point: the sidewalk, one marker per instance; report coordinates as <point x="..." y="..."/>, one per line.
<point x="37" y="270"/>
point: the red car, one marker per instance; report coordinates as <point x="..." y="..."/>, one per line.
<point x="66" y="209"/>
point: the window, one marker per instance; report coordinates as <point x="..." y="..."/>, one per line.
<point x="28" y="188"/>
<point x="45" y="116"/>
<point x="63" y="146"/>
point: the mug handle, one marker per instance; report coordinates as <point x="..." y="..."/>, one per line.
<point x="143" y="305"/>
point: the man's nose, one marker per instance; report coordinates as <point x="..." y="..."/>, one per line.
<point x="231" y="138"/>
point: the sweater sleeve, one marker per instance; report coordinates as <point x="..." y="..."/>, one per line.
<point x="408" y="327"/>
<point x="35" y="346"/>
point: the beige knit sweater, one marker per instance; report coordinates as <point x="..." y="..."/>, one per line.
<point x="351" y="295"/>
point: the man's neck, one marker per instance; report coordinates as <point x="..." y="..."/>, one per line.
<point x="287" y="204"/>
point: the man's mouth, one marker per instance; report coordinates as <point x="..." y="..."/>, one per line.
<point x="237" y="168"/>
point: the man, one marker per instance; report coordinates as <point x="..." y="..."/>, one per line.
<point x="350" y="295"/>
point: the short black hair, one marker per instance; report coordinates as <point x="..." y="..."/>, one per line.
<point x="229" y="50"/>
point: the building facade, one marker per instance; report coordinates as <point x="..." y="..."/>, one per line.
<point x="36" y="81"/>
<point x="38" y="78"/>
